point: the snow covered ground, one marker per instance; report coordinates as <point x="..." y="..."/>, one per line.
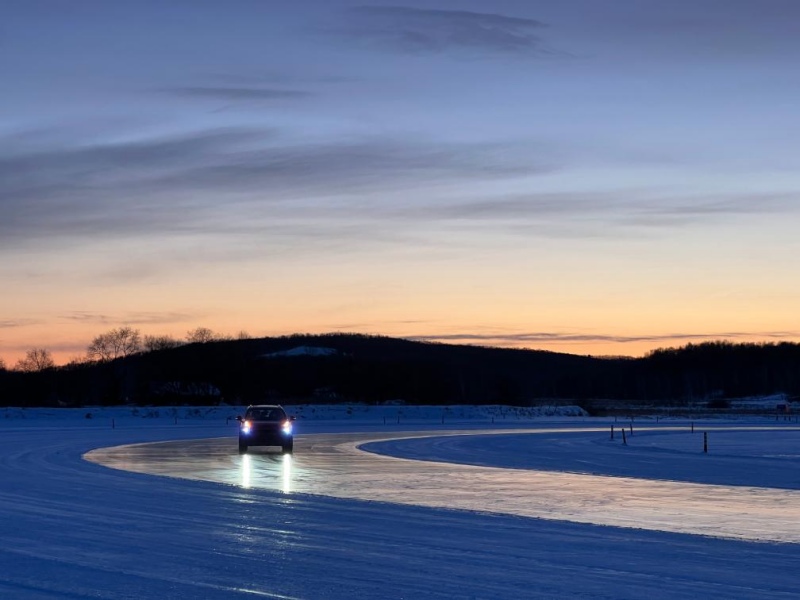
<point x="361" y="414"/>
<point x="75" y="529"/>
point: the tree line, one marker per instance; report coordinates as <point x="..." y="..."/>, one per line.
<point x="117" y="343"/>
<point x="121" y="366"/>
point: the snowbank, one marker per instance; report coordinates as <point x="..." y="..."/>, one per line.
<point x="303" y="412"/>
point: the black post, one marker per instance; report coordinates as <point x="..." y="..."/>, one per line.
<point x="692" y="426"/>
<point x="624" y="440"/>
<point x="705" y="442"/>
<point x="631" y="428"/>
<point x="612" y="432"/>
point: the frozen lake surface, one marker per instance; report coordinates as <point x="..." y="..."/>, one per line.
<point x="76" y="529"/>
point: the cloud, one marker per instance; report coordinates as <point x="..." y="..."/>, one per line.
<point x="183" y="183"/>
<point x="675" y="212"/>
<point x="418" y="30"/>
<point x="520" y="207"/>
<point x="697" y="31"/>
<point x="370" y="163"/>
<point x="13" y="323"/>
<point x="76" y="349"/>
<point x="130" y="318"/>
<point x="517" y="339"/>
<point x="330" y="193"/>
<point x="102" y="189"/>
<point x="234" y="94"/>
<point x="596" y="214"/>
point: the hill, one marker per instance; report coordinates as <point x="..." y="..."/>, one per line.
<point x="375" y="369"/>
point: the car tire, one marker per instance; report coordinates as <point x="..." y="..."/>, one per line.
<point x="242" y="448"/>
<point x="288" y="448"/>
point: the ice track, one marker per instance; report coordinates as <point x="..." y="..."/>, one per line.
<point x="333" y="465"/>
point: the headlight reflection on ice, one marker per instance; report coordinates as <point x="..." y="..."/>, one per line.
<point x="287" y="473"/>
<point x="246" y="470"/>
<point x="262" y="469"/>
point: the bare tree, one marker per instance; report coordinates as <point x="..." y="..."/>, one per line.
<point x="116" y="343"/>
<point x="160" y="342"/>
<point x="243" y="335"/>
<point x="36" y="359"/>
<point x="77" y="361"/>
<point x="2" y="365"/>
<point x="200" y="335"/>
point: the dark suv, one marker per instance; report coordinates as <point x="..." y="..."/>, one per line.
<point x="265" y="425"/>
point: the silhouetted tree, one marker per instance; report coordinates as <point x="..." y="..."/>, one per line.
<point x="160" y="342"/>
<point x="36" y="359"/>
<point x="2" y="365"/>
<point x="77" y="361"/>
<point x="201" y="335"/>
<point x="116" y="343"/>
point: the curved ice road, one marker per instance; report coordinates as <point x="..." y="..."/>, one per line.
<point x="333" y="465"/>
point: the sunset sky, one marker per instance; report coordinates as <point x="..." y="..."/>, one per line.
<point x="587" y="176"/>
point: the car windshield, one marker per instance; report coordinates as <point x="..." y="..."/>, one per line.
<point x="266" y="414"/>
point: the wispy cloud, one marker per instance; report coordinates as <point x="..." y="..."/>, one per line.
<point x="738" y="27"/>
<point x="130" y="318"/>
<point x="14" y="323"/>
<point x="517" y="339"/>
<point x="336" y="191"/>
<point x="182" y="183"/>
<point x="584" y="214"/>
<point x="419" y="30"/>
<point x="234" y="94"/>
<point x="681" y="211"/>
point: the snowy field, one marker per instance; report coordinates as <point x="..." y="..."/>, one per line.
<point x="76" y="529"/>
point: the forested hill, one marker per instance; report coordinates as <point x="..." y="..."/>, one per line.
<point x="358" y="368"/>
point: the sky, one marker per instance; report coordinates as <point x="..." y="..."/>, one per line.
<point x="599" y="177"/>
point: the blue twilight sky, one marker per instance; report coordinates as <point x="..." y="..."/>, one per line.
<point x="589" y="176"/>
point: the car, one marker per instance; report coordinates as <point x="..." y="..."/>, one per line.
<point x="266" y="425"/>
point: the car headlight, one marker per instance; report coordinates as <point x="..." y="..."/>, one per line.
<point x="287" y="427"/>
<point x="246" y="427"/>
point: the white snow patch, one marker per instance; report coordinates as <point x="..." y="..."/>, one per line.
<point x="303" y="351"/>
